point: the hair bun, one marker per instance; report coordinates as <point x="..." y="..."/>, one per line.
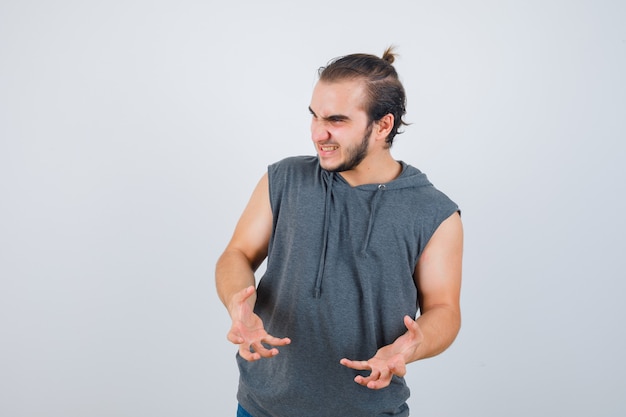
<point x="389" y="56"/>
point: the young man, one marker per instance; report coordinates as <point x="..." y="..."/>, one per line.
<point x="356" y="242"/>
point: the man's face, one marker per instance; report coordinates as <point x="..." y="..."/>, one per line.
<point x="339" y="127"/>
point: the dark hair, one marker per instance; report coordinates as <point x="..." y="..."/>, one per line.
<point x="385" y="93"/>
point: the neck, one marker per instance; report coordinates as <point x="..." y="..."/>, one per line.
<point x="380" y="170"/>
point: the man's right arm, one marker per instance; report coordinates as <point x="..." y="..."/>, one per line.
<point x="234" y="276"/>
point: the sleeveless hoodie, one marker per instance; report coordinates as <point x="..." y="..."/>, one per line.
<point x="338" y="282"/>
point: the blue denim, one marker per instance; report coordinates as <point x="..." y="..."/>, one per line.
<point x="241" y="412"/>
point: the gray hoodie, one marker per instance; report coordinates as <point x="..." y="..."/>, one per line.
<point x="339" y="281"/>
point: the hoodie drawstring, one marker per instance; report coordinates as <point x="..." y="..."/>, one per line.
<point x="370" y="224"/>
<point x="317" y="292"/>
<point x="320" y="272"/>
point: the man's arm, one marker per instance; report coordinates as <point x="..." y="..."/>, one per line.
<point x="234" y="276"/>
<point x="438" y="278"/>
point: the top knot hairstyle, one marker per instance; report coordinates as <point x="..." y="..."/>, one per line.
<point x="385" y="93"/>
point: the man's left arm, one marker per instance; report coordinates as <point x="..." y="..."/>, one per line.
<point x="438" y="278"/>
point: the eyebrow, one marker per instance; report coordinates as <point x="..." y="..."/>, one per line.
<point x="332" y="117"/>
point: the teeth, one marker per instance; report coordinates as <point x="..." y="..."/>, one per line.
<point x="329" y="148"/>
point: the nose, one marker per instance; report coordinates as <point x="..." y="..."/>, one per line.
<point x="319" y="132"/>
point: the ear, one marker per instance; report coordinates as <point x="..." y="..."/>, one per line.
<point x="383" y="126"/>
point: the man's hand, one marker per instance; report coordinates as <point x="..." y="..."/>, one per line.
<point x="247" y="330"/>
<point x="389" y="360"/>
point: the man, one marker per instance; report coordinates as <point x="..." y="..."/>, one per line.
<point x="355" y="243"/>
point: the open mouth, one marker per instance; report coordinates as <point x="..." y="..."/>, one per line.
<point x="329" y="148"/>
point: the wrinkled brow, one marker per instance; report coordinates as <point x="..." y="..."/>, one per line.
<point x="332" y="117"/>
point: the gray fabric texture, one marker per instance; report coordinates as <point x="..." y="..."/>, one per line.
<point x="338" y="282"/>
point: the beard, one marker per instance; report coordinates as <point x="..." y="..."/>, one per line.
<point x="355" y="154"/>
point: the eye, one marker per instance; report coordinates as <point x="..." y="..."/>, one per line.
<point x="336" y="120"/>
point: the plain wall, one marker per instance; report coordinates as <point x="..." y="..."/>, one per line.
<point x="133" y="132"/>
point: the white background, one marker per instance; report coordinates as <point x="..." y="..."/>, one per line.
<point x="132" y="133"/>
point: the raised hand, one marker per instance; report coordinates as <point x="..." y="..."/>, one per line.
<point x="247" y="329"/>
<point x="389" y="360"/>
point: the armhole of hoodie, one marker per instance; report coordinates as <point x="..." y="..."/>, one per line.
<point x="446" y="209"/>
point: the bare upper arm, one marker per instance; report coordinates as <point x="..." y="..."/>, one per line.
<point x="438" y="272"/>
<point x="252" y="233"/>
